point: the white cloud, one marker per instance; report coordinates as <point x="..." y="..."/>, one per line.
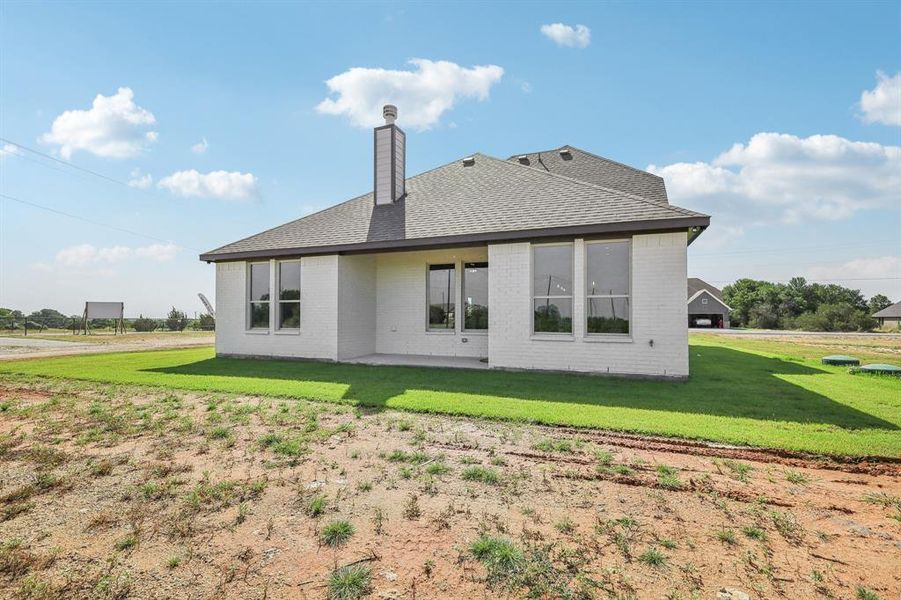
<point x="9" y="150"/>
<point x="566" y="35"/>
<point x="224" y="185"/>
<point x="139" y="180"/>
<point x="159" y="252"/>
<point x="114" y="127"/>
<point x="867" y="274"/>
<point x="882" y="104"/>
<point x="526" y="87"/>
<point x="783" y="178"/>
<point x="421" y="95"/>
<point x="87" y="254"/>
<point x="200" y="147"/>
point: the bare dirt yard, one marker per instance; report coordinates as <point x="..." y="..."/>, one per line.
<point x="15" y="346"/>
<point x="114" y="492"/>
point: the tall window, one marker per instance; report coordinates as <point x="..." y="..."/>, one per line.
<point x="289" y="295"/>
<point x="607" y="287"/>
<point x="552" y="289"/>
<point x="475" y="295"/>
<point x="259" y="295"/>
<point x="441" y="297"/>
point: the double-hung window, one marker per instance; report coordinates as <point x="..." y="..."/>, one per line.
<point x="475" y="296"/>
<point x="552" y="288"/>
<point x="607" y="285"/>
<point x="288" y="313"/>
<point x="441" y="292"/>
<point x="258" y="290"/>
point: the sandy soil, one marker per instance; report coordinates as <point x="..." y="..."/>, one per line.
<point x="117" y="492"/>
<point x="61" y="345"/>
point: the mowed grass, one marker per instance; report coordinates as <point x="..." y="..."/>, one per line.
<point x="782" y="398"/>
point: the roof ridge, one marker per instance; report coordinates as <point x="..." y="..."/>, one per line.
<point x="673" y="207"/>
<point x="593" y="155"/>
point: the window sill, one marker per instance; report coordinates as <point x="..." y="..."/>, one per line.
<point x="287" y="332"/>
<point x="440" y="332"/>
<point x="256" y="331"/>
<point x="549" y="337"/>
<point x="475" y="332"/>
<point x="615" y="339"/>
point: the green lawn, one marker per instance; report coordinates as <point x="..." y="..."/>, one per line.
<point x="734" y="395"/>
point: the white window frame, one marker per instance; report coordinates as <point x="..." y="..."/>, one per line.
<point x="533" y="297"/>
<point x="279" y="301"/>
<point x="428" y="295"/>
<point x="588" y="297"/>
<point x="463" y="297"/>
<point x="248" y="302"/>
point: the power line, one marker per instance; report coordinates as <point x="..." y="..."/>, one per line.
<point x="91" y="221"/>
<point x="821" y="280"/>
<point x="65" y="162"/>
<point x="796" y="249"/>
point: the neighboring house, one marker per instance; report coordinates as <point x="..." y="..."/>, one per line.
<point x="705" y="305"/>
<point x="560" y="260"/>
<point x="889" y="317"/>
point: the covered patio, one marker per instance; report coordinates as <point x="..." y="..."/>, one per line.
<point x="420" y="360"/>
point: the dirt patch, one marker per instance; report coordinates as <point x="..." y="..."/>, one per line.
<point x="112" y="491"/>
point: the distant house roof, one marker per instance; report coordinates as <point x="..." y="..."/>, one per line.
<point x="585" y="166"/>
<point x="476" y="201"/>
<point x="695" y="284"/>
<point x="891" y="312"/>
<point x="708" y="293"/>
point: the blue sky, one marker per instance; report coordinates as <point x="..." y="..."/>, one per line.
<point x="813" y="189"/>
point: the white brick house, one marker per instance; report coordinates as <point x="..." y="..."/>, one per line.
<point x="557" y="260"/>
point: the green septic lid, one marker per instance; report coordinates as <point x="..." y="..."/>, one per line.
<point x="839" y="359"/>
<point x="881" y="368"/>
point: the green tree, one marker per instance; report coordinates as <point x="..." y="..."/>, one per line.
<point x="206" y="322"/>
<point x="176" y="320"/>
<point x="877" y="303"/>
<point x="50" y="318"/>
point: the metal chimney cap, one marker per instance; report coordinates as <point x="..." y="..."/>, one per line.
<point x="389" y="111"/>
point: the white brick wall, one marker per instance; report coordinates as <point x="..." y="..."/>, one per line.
<point x="318" y="313"/>
<point x="401" y="305"/>
<point x="658" y="313"/>
<point x="356" y="305"/>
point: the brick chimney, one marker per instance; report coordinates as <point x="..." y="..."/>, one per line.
<point x="390" y="143"/>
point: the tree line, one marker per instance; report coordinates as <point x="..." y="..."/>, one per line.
<point x="801" y="305"/>
<point x="48" y="318"/>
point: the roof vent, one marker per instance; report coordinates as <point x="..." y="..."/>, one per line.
<point x="565" y="154"/>
<point x="469" y="161"/>
<point x="523" y="159"/>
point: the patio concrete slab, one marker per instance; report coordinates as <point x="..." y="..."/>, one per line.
<point x="419" y="360"/>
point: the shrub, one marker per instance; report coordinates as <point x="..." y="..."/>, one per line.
<point x="145" y="325"/>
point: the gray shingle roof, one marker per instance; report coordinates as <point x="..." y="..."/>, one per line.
<point x="491" y="200"/>
<point x="695" y="284"/>
<point x="890" y="312"/>
<point x="579" y="164"/>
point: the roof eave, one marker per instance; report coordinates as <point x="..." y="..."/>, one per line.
<point x="690" y="223"/>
